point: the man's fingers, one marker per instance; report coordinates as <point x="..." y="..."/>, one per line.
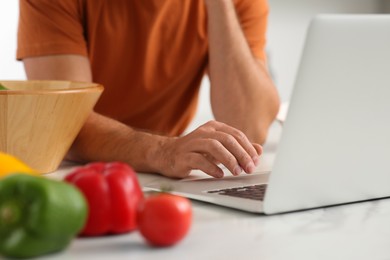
<point x="219" y="152"/>
<point x="200" y="162"/>
<point x="235" y="142"/>
<point x="234" y="147"/>
<point x="259" y="148"/>
<point x="211" y="158"/>
<point x="240" y="137"/>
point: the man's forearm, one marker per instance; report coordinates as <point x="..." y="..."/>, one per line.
<point x="242" y="94"/>
<point x="105" y="139"/>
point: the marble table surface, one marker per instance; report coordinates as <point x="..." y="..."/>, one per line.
<point x="354" y="231"/>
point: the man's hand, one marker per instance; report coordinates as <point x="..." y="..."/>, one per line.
<point x="205" y="147"/>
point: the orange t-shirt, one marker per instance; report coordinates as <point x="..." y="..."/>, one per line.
<point x="149" y="55"/>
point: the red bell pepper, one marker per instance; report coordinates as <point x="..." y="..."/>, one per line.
<point x="112" y="192"/>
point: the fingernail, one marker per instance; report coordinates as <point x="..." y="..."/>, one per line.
<point x="256" y="160"/>
<point x="219" y="174"/>
<point x="250" y="167"/>
<point x="237" y="170"/>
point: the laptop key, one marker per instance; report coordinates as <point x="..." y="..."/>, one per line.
<point x="253" y="192"/>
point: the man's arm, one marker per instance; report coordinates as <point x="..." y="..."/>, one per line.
<point x="242" y="93"/>
<point x="104" y="139"/>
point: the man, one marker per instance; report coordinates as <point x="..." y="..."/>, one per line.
<point x="151" y="55"/>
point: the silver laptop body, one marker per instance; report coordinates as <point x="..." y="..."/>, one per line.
<point x="335" y="144"/>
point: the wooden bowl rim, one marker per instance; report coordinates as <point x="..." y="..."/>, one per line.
<point x="90" y="87"/>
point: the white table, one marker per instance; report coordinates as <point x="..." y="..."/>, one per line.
<point x="354" y="231"/>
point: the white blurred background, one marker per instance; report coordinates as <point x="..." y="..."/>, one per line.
<point x="286" y="32"/>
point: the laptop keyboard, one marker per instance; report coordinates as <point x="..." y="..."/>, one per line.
<point x="253" y="192"/>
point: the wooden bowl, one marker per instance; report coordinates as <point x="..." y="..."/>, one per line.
<point x="39" y="120"/>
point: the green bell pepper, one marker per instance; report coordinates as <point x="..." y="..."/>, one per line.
<point x="3" y="88"/>
<point x="38" y="215"/>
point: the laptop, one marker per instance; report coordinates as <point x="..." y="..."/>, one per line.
<point x="335" y="144"/>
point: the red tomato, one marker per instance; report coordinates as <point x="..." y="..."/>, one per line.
<point x="164" y="219"/>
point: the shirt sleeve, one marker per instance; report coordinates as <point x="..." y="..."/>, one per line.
<point x="48" y="27"/>
<point x="253" y="17"/>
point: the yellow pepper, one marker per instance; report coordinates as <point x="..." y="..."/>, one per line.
<point x="10" y="164"/>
